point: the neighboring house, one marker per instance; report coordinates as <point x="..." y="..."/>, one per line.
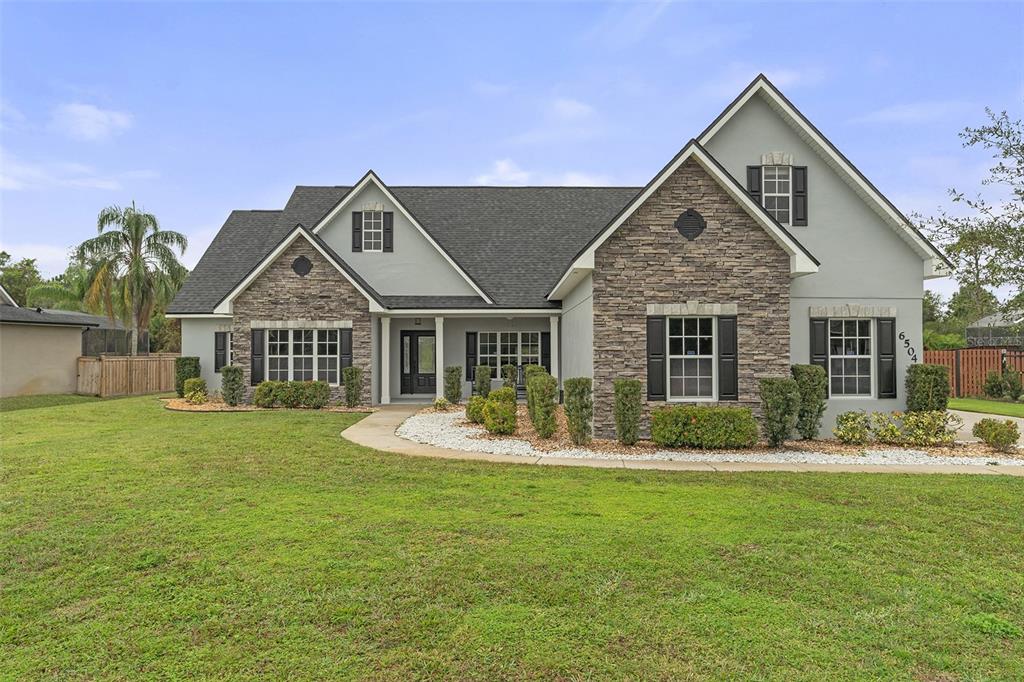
<point x="996" y="330"/>
<point x="757" y="246"/>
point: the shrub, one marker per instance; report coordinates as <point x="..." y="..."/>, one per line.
<point x="353" y="378"/>
<point x="780" y="403"/>
<point x="195" y="391"/>
<point x="232" y="385"/>
<point x="509" y="375"/>
<point x="995" y="385"/>
<point x="499" y="415"/>
<point x="475" y="409"/>
<point x="1012" y="382"/>
<point x="542" y="391"/>
<point x="530" y="370"/>
<point x="628" y="407"/>
<point x="996" y="433"/>
<point x="927" y="388"/>
<point x="316" y="394"/>
<point x="482" y="381"/>
<point x="579" y="408"/>
<point x="852" y="427"/>
<point x="184" y="368"/>
<point x="812" y="382"/>
<point x="442" y="404"/>
<point x="289" y="393"/>
<point x="453" y="384"/>
<point x="700" y="426"/>
<point x="886" y="427"/>
<point x="265" y="394"/>
<point x="930" y="428"/>
<point x="505" y="395"/>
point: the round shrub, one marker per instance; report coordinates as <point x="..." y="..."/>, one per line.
<point x="499" y="416"/>
<point x="475" y="409"/>
<point x="265" y="394"/>
<point x="442" y="404"/>
<point x="628" y="407"/>
<point x="930" y="428"/>
<point x="852" y="427"/>
<point x="699" y="426"/>
<point x="453" y="384"/>
<point x="482" y="380"/>
<point x="289" y="393"/>
<point x="927" y="388"/>
<point x="186" y="367"/>
<point x="195" y="391"/>
<point x="995" y="385"/>
<point x="542" y="392"/>
<point x="780" y="403"/>
<point x="812" y="382"/>
<point x="504" y="394"/>
<point x="887" y="428"/>
<point x="316" y="394"/>
<point x="352" y="377"/>
<point x="997" y="433"/>
<point x="232" y="384"/>
<point x="579" y="409"/>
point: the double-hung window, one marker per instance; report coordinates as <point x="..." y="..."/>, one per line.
<point x="327" y="355"/>
<point x="373" y="230"/>
<point x="849" y="351"/>
<point x="691" y="358"/>
<point x="776" y="189"/>
<point x="303" y="355"/>
<point x="497" y="349"/>
<point x="487" y="352"/>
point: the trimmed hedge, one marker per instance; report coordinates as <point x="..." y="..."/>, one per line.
<point x="195" y="391"/>
<point x="509" y="375"/>
<point x="186" y="367"/>
<point x="315" y="394"/>
<point x="542" y="394"/>
<point x="289" y="393"/>
<point x="312" y="394"/>
<point x="780" y="404"/>
<point x="475" y="409"/>
<point x="628" y="408"/>
<point x="927" y="388"/>
<point x="353" y="380"/>
<point x="264" y="395"/>
<point x="482" y="380"/>
<point x="504" y="394"/>
<point x="812" y="382"/>
<point x="499" y="415"/>
<point x="700" y="426"/>
<point x="997" y="433"/>
<point x="579" y="408"/>
<point x="232" y="384"/>
<point x="453" y="384"/>
<point x="530" y="370"/>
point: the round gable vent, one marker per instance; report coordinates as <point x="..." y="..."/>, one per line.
<point x="690" y="224"/>
<point x="302" y="266"/>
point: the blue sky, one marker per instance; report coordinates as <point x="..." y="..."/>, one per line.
<point x="195" y="109"/>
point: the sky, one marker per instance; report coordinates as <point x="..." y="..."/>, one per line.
<point x="194" y="109"/>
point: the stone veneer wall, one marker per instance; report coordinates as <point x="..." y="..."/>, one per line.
<point x="323" y="294"/>
<point x="647" y="261"/>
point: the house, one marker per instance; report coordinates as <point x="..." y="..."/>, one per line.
<point x="996" y="330"/>
<point x="758" y="245"/>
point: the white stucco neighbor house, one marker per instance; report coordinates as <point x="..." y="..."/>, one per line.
<point x="756" y="246"/>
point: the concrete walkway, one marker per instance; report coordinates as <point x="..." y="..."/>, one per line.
<point x="377" y="431"/>
<point x="972" y="418"/>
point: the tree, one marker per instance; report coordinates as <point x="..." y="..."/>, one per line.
<point x="970" y="303"/>
<point x="134" y="267"/>
<point x="17" y="278"/>
<point x="164" y="334"/>
<point x="66" y="291"/>
<point x="932" y="307"/>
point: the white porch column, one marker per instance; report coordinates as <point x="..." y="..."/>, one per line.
<point x="385" y="361"/>
<point x="439" y="357"/>
<point x="554" y="347"/>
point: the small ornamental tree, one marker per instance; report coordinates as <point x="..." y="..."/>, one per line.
<point x="780" y="404"/>
<point x="927" y="388"/>
<point x="453" y="384"/>
<point x="579" y="409"/>
<point x="353" y="378"/>
<point x="544" y="390"/>
<point x="231" y="384"/>
<point x="186" y="367"/>
<point x="812" y="382"/>
<point x="482" y="381"/>
<point x="628" y="406"/>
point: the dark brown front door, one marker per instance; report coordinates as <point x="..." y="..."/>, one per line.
<point x="418" y="362"/>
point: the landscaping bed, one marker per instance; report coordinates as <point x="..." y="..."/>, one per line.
<point x="217" y="405"/>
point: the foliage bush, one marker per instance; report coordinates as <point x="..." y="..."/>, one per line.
<point x="997" y="433"/>
<point x="579" y="409"/>
<point x="995" y="385"/>
<point x="453" y="384"/>
<point x="780" y="405"/>
<point x="1012" y="382"/>
<point x="232" y="384"/>
<point x="812" y="382"/>
<point x="509" y="375"/>
<point x="927" y="388"/>
<point x="930" y="428"/>
<point x="265" y="394"/>
<point x="482" y="381"/>
<point x="442" y="404"/>
<point x="195" y="391"/>
<point x="542" y="394"/>
<point x="353" y="379"/>
<point x="853" y="428"/>
<point x="530" y="370"/>
<point x="475" y="409"/>
<point x="887" y="428"/>
<point x="315" y="394"/>
<point x="529" y="373"/>
<point x="700" y="426"/>
<point x="499" y="415"/>
<point x="289" y="394"/>
<point x="628" y="408"/>
<point x="186" y="367"/>
<point x="504" y="394"/>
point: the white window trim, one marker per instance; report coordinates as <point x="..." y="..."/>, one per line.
<point x="291" y="355"/>
<point x="871" y="353"/>
<point x="378" y="230"/>
<point x="713" y="398"/>
<point x="498" y="355"/>
<point x="789" y="195"/>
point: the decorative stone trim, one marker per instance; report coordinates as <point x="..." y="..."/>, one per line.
<point x="223" y="328"/>
<point x="691" y="308"/>
<point x="852" y="310"/>
<point x="300" y="324"/>
<point x="777" y="159"/>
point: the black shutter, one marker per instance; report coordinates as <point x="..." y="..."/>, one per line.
<point x="754" y="182"/>
<point x="344" y="352"/>
<point x="389" y="229"/>
<point x="220" y="350"/>
<point x="470" y="355"/>
<point x="357" y="231"/>
<point x="728" y="359"/>
<point x="819" y="346"/>
<point x="656" y="358"/>
<point x="256" y="357"/>
<point x="545" y="350"/>
<point x="800" y="195"/>
<point x="886" y="357"/>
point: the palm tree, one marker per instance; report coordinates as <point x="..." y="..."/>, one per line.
<point x="134" y="266"/>
<point x="67" y="291"/>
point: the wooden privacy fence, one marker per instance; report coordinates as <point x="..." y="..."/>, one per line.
<point x="121" y="375"/>
<point x="968" y="367"/>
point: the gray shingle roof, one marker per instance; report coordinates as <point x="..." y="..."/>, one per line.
<point x="9" y="313"/>
<point x="514" y="242"/>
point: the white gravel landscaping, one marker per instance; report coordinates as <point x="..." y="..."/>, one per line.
<point x="448" y="430"/>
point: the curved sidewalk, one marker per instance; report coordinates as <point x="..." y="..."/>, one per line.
<point x="377" y="430"/>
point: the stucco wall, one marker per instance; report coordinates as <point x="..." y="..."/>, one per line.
<point x="578" y="331"/>
<point x="197" y="340"/>
<point x="36" y="359"/>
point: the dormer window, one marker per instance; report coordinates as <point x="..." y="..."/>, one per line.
<point x="373" y="230"/>
<point x="780" y="187"/>
<point x="777" y="195"/>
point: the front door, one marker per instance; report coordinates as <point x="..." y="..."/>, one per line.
<point x="418" y="358"/>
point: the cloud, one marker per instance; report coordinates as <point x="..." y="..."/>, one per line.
<point x="50" y="259"/>
<point x="504" y="172"/>
<point x="916" y="112"/>
<point x="626" y="24"/>
<point x="569" y="109"/>
<point x="18" y="175"/>
<point x="88" y="122"/>
<point x="508" y="172"/>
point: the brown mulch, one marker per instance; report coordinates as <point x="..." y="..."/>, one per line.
<point x="560" y="441"/>
<point x="182" y="405"/>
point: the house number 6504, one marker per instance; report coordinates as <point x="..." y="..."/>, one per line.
<point x="910" y="349"/>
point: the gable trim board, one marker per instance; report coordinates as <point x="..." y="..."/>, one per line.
<point x="935" y="262"/>
<point x="801" y="262"/>
<point x="6" y="298"/>
<point x="371" y="177"/>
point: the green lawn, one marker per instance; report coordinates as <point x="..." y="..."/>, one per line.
<point x="987" y="406"/>
<point x="141" y="543"/>
<point x="27" y="402"/>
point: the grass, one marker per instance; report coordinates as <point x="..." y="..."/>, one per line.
<point x="141" y="543"/>
<point x="987" y="406"/>
<point x="28" y="402"/>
